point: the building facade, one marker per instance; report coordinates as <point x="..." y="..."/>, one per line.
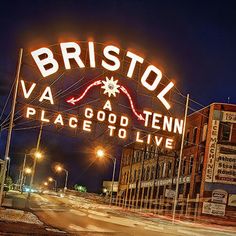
<point x="207" y="183"/>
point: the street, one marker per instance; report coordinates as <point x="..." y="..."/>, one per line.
<point x="77" y="215"/>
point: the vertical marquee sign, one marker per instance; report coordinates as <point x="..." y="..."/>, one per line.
<point x="119" y="67"/>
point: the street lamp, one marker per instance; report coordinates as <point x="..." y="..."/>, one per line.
<point x="59" y="168"/>
<point x="28" y="170"/>
<point x="21" y="176"/>
<point x="100" y="153"/>
<point x="45" y="183"/>
<point x="8" y="159"/>
<point x="37" y="155"/>
<point x="50" y="179"/>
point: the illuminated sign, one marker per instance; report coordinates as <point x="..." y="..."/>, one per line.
<point x="110" y="86"/>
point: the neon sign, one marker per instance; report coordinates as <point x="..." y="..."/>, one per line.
<point x="48" y="65"/>
<point x="118" y="125"/>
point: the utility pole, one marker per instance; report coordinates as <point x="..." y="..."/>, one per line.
<point x="180" y="159"/>
<point x="22" y="173"/>
<point x="35" y="159"/>
<point x="11" y="124"/>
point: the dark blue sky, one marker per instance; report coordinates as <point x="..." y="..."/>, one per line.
<point x="192" y="41"/>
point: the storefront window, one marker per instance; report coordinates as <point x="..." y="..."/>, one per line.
<point x="195" y="135"/>
<point x="225" y="132"/>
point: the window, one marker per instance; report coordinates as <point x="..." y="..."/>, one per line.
<point x="148" y="173"/>
<point x="135" y="172"/>
<point x="184" y="165"/>
<point x="144" y="174"/>
<point x="138" y="177"/>
<point x="164" y="170"/>
<point x="176" y="166"/>
<point x="187" y="138"/>
<point x="225" y="132"/>
<point x="204" y="132"/>
<point x="195" y="135"/>
<point x="200" y="166"/>
<point x="152" y="172"/>
<point x="159" y="170"/>
<point x="191" y="164"/>
<point x="169" y="169"/>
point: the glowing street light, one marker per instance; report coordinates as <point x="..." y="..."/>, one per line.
<point x="100" y="153"/>
<point x="59" y="168"/>
<point x="28" y="170"/>
<point x="38" y="155"/>
<point x="45" y="183"/>
<point x="50" y="179"/>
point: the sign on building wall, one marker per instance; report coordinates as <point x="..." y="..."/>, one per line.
<point x="225" y="166"/>
<point x="213" y="209"/>
<point x="219" y="196"/>
<point x="229" y="117"/>
<point x="232" y="200"/>
<point x="211" y="155"/>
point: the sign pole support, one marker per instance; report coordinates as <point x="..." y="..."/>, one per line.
<point x="180" y="159"/>
<point x="11" y="123"/>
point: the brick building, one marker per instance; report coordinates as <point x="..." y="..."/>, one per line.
<point x="207" y="184"/>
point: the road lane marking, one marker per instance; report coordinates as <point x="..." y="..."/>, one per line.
<point x="90" y="228"/>
<point x="55" y="230"/>
<point x="154" y="228"/>
<point x="77" y="212"/>
<point x="118" y="220"/>
<point x="97" y="213"/>
<point x="186" y="232"/>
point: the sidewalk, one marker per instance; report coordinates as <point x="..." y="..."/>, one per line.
<point x="15" y="220"/>
<point x="219" y="223"/>
<point x="15" y="199"/>
<point x="203" y="221"/>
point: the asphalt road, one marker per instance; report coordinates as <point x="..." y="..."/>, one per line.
<point x="81" y="216"/>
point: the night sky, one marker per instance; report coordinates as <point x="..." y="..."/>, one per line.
<point x="192" y="41"/>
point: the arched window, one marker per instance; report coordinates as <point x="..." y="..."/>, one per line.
<point x="184" y="166"/>
<point x="148" y="173"/>
<point x="138" y="177"/>
<point x="164" y="170"/>
<point x="191" y="164"/>
<point x="169" y="169"/>
<point x="152" y="172"/>
<point x="135" y="172"/>
<point x="195" y="135"/>
<point x="144" y="174"/>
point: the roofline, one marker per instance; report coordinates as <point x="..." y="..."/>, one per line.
<point x="213" y="103"/>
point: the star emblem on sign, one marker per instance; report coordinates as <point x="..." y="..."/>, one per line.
<point x="110" y="87"/>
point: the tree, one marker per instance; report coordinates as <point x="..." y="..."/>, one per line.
<point x="80" y="188"/>
<point x="9" y="182"/>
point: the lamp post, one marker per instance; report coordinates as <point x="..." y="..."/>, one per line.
<point x="22" y="171"/>
<point x="26" y="171"/>
<point x="8" y="159"/>
<point x="50" y="179"/>
<point x="101" y="154"/>
<point x="60" y="168"/>
<point x="37" y="155"/>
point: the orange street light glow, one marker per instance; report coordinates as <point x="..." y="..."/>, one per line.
<point x="58" y="168"/>
<point x="100" y="153"/>
<point x="38" y="155"/>
<point x="28" y="170"/>
<point x="50" y="179"/>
